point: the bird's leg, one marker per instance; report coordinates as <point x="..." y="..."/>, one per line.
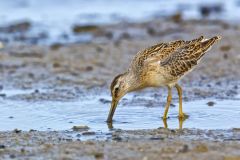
<point x="165" y="123"/>
<point x="179" y="90"/>
<point x="169" y="99"/>
<point x="181" y="120"/>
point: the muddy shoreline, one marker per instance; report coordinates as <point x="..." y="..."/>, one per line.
<point x="139" y="144"/>
<point x="69" y="72"/>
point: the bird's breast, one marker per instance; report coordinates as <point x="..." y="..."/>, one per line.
<point x="155" y="79"/>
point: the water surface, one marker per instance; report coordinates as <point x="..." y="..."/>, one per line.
<point x="57" y="115"/>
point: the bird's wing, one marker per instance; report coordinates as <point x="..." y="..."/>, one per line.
<point x="158" y="51"/>
<point x="167" y="50"/>
<point x="187" y="56"/>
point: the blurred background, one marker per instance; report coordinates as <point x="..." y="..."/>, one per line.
<point x="59" y="57"/>
<point x="58" y="21"/>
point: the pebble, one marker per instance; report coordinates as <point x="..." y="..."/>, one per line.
<point x="86" y="28"/>
<point x="17" y="130"/>
<point x="3" y="95"/>
<point x="225" y="48"/>
<point x="88" y="133"/>
<point x="177" y="17"/>
<point x="2" y="146"/>
<point x="117" y="138"/>
<point x="210" y="103"/>
<point x="156" y="138"/>
<point x="184" y="149"/>
<point x="12" y="156"/>
<point x="80" y="128"/>
<point x="104" y="101"/>
<point x="201" y="148"/>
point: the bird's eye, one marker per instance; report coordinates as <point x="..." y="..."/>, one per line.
<point x="116" y="91"/>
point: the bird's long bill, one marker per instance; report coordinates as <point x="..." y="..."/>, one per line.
<point x="112" y="110"/>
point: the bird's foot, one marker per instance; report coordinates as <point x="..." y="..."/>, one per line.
<point x="183" y="116"/>
<point x="165" y="117"/>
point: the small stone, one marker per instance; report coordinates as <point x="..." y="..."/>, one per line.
<point x="18" y="27"/>
<point x="156" y="138"/>
<point x="201" y="148"/>
<point x="104" y="101"/>
<point x="173" y="131"/>
<point x="225" y="48"/>
<point x="177" y="17"/>
<point x="32" y="130"/>
<point x="86" y="28"/>
<point x="172" y="105"/>
<point x="3" y="95"/>
<point x="89" y="68"/>
<point x="99" y="49"/>
<point x="210" y="103"/>
<point x="125" y="35"/>
<point x="23" y="150"/>
<point x="17" y="130"/>
<point x="225" y="56"/>
<point x="56" y="65"/>
<point x="117" y="138"/>
<point x="80" y="128"/>
<point x="98" y="155"/>
<point x="109" y="35"/>
<point x="2" y="146"/>
<point x="206" y="10"/>
<point x="30" y="75"/>
<point x="12" y="156"/>
<point x="151" y="31"/>
<point x="88" y="133"/>
<point x="56" y="46"/>
<point x="184" y="149"/>
<point x="89" y="142"/>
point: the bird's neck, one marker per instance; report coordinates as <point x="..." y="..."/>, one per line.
<point x="132" y="84"/>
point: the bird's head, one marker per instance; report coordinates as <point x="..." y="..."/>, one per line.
<point x="119" y="88"/>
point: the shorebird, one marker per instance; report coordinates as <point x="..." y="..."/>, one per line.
<point x="163" y="64"/>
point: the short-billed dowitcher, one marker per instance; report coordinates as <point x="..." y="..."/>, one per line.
<point x="163" y="64"/>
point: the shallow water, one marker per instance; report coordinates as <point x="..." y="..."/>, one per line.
<point x="55" y="115"/>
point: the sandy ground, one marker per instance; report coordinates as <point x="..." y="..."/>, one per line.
<point x="66" y="72"/>
<point x="133" y="145"/>
<point x="92" y="66"/>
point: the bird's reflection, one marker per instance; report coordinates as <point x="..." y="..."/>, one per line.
<point x="165" y="124"/>
<point x="110" y="125"/>
<point x="180" y="122"/>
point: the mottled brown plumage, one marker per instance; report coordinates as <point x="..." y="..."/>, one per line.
<point x="160" y="65"/>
